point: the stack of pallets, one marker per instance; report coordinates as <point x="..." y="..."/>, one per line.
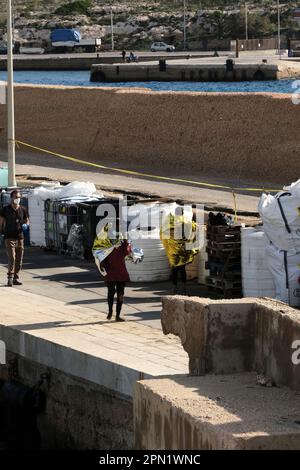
<point x="224" y="260"/>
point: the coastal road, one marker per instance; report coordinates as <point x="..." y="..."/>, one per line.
<point x="115" y="55"/>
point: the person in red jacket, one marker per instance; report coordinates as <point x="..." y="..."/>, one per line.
<point x="116" y="277"/>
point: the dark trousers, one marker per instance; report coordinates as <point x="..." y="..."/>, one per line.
<point x="15" y="251"/>
<point x="178" y="271"/>
<point x="119" y="288"/>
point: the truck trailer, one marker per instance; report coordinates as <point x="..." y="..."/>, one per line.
<point x="70" y="40"/>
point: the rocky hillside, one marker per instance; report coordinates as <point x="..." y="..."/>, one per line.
<point x="138" y="23"/>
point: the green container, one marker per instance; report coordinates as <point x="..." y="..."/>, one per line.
<point x="3" y="177"/>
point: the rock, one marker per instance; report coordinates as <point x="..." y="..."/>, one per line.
<point x="133" y="24"/>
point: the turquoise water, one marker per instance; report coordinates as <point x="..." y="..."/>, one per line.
<point x="81" y="78"/>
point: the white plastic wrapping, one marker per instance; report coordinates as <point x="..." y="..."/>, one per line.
<point x="72" y="192"/>
<point x="77" y="189"/>
<point x="151" y="214"/>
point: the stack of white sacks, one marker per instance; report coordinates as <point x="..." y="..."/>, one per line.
<point x="36" y="207"/>
<point x="256" y="276"/>
<point x="73" y="192"/>
<point x="155" y="265"/>
<point x="281" y="221"/>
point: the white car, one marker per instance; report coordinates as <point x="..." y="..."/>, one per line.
<point x="162" y="46"/>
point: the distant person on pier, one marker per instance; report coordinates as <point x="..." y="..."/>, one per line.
<point x="14" y="221"/>
<point x="110" y="251"/>
<point x="132" y="57"/>
<point x="124" y="55"/>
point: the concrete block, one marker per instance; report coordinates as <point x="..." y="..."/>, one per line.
<point x="212" y="412"/>
<point x="243" y="335"/>
<point x="217" y="335"/>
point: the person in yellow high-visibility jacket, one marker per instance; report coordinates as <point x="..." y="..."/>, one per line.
<point x="178" y="236"/>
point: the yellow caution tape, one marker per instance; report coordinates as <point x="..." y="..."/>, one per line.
<point x="148" y="175"/>
<point x="145" y="175"/>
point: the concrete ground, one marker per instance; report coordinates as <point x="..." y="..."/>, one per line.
<point x="244" y="58"/>
<point x="218" y="412"/>
<point x="78" y="283"/>
<point x="113" y="55"/>
<point x="63" y="303"/>
<point x="247" y="55"/>
<point x="28" y="165"/>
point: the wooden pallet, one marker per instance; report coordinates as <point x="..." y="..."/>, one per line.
<point x="224" y="284"/>
<point x="223" y="229"/>
<point x="225" y="293"/>
<point x="223" y="233"/>
<point x="229" y="266"/>
<point x="227" y="237"/>
<point x="227" y="275"/>
<point x="224" y="260"/>
<point x="224" y="245"/>
<point x="220" y="256"/>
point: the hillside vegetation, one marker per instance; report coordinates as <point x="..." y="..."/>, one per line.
<point x="138" y="23"/>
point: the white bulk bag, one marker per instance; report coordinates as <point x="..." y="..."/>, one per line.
<point x="294" y="189"/>
<point x="285" y="268"/>
<point x="36" y="208"/>
<point x="257" y="279"/>
<point x="281" y="218"/>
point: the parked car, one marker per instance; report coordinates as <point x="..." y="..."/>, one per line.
<point x="162" y="46"/>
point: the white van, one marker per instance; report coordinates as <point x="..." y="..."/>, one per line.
<point x="162" y="46"/>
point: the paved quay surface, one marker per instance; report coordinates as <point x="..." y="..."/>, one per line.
<point x="78" y="283"/>
<point x="62" y="304"/>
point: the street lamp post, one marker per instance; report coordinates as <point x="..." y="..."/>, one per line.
<point x="112" y="29"/>
<point x="11" y="149"/>
<point x="184" y="24"/>
<point x="246" y="22"/>
<point x="279" y="39"/>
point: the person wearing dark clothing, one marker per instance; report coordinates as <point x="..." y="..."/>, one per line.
<point x="132" y="57"/>
<point x="181" y="272"/>
<point x="14" y="220"/>
<point x="124" y="55"/>
<point x="116" y="277"/>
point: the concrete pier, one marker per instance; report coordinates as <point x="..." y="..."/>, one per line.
<point x="56" y="62"/>
<point x="244" y="388"/>
<point x="215" y="412"/>
<point x="194" y="70"/>
<point x="92" y="366"/>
